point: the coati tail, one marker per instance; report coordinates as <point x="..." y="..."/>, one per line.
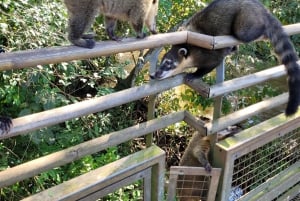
<point x="288" y="56"/>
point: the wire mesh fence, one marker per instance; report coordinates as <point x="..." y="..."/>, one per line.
<point x="192" y="183"/>
<point x="265" y="162"/>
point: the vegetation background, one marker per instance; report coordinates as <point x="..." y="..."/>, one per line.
<point x="31" y="24"/>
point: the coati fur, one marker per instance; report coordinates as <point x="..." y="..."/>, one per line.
<point x="246" y="20"/>
<point x="5" y="124"/>
<point x="83" y="12"/>
<point x="195" y="155"/>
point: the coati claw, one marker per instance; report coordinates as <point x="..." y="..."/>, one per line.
<point x="5" y="125"/>
<point x="208" y="167"/>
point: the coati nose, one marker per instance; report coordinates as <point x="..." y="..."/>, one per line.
<point x="156" y="75"/>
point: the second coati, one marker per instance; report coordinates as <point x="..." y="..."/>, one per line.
<point x="83" y="12"/>
<point x="195" y="155"/>
<point x="246" y="20"/>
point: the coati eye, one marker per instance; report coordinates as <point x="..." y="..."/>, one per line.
<point x="168" y="62"/>
<point x="183" y="52"/>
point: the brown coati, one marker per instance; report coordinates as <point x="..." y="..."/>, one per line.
<point x="195" y="155"/>
<point x="246" y="20"/>
<point x="83" y="12"/>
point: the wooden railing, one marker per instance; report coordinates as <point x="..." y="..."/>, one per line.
<point x="32" y="58"/>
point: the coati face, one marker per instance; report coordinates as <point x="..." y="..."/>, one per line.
<point x="173" y="62"/>
<point x="181" y="57"/>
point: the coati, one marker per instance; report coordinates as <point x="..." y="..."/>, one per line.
<point x="196" y="155"/>
<point x="5" y="124"/>
<point x="246" y="20"/>
<point x="83" y="12"/>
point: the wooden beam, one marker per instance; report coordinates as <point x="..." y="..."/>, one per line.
<point x="227" y="41"/>
<point x="35" y="121"/>
<point x="51" y="55"/>
<point x="246" y="81"/>
<point x="240" y="115"/>
<point x="103" y="177"/>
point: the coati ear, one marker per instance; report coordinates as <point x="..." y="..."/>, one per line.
<point x="183" y="52"/>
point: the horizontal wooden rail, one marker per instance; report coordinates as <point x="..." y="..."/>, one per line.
<point x="39" y="165"/>
<point x="227" y="41"/>
<point x="35" y="121"/>
<point x="237" y="83"/>
<point x="243" y="114"/>
<point x="51" y="55"/>
<point x="83" y="186"/>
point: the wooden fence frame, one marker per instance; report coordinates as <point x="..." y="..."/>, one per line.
<point x="32" y="58"/>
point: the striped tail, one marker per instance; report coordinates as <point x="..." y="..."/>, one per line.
<point x="285" y="50"/>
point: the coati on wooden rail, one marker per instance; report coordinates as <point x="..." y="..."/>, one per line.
<point x="83" y="12"/>
<point x="246" y="20"/>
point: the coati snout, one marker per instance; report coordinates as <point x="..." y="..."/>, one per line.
<point x="169" y="65"/>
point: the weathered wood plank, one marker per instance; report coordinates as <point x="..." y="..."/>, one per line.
<point x="35" y="121"/>
<point x="240" y="115"/>
<point x="258" y="135"/>
<point x="51" y="55"/>
<point x="102" y="177"/>
<point x="39" y="165"/>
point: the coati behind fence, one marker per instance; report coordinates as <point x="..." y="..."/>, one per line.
<point x="195" y="155"/>
<point x="83" y="12"/>
<point x="246" y="20"/>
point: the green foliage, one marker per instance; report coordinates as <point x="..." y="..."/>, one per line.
<point x="31" y="24"/>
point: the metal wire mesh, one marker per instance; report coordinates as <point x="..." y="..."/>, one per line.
<point x="261" y="164"/>
<point x="191" y="187"/>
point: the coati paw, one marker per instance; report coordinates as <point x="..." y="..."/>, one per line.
<point x="90" y="43"/>
<point x="115" y="38"/>
<point x="154" y="32"/>
<point x="207" y="167"/>
<point x="141" y="35"/>
<point x="5" y="125"/>
<point x="191" y="76"/>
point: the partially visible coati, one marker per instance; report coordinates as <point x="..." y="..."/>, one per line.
<point x="246" y="20"/>
<point x="5" y="124"/>
<point x="83" y="12"/>
<point x="196" y="153"/>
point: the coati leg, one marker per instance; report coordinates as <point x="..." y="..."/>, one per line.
<point x="110" y="24"/>
<point x="138" y="27"/>
<point x="203" y="159"/>
<point x="77" y="27"/>
<point x="5" y="124"/>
